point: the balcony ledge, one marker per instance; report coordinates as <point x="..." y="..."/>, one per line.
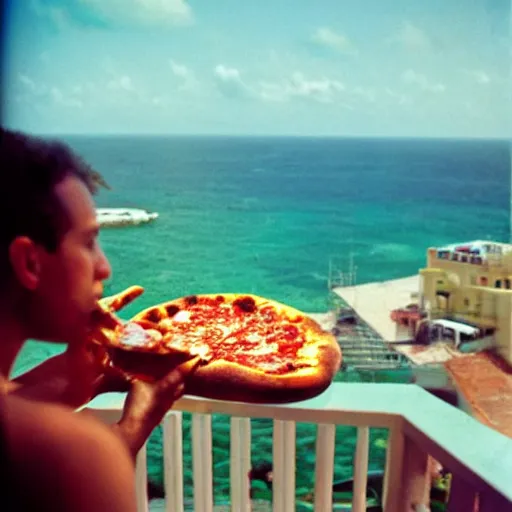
<point x="479" y="454"/>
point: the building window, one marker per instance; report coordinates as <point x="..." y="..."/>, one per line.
<point x="498" y="283"/>
<point x="466" y="302"/>
<point x="483" y="281"/>
<point x="507" y="284"/>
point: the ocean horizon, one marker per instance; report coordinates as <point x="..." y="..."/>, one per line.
<point x="267" y="214"/>
<point x="231" y="135"/>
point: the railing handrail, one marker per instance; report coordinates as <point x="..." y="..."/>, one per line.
<point x="477" y="453"/>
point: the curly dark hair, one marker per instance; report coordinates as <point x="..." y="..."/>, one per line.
<point x="30" y="169"/>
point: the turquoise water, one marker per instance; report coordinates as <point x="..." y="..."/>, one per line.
<point x="265" y="215"/>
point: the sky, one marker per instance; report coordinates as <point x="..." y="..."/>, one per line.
<point x="379" y="68"/>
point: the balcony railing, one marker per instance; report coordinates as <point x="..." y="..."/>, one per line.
<point x="420" y="425"/>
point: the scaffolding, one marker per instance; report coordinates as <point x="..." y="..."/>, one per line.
<point x="338" y="277"/>
<point x="362" y="347"/>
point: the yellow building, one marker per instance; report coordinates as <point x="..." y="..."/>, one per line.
<point x="469" y="285"/>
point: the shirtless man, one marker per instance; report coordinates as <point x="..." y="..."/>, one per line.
<point x="51" y="274"/>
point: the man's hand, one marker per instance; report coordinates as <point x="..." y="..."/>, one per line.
<point x="147" y="403"/>
<point x="79" y="374"/>
<point x="72" y="378"/>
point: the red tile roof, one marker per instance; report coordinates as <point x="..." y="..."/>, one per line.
<point x="485" y="382"/>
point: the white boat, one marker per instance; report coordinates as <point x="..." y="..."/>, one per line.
<point x="108" y="217"/>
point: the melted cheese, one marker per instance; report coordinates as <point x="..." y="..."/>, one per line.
<point x="182" y="316"/>
<point x="254" y="338"/>
<point x="226" y="330"/>
<point x="179" y="317"/>
<point x="176" y="340"/>
<point x="154" y="334"/>
<point x="201" y="350"/>
<point x="308" y="352"/>
<point x="135" y="336"/>
<point x="262" y="349"/>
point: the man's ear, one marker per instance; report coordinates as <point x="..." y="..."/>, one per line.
<point x="25" y="259"/>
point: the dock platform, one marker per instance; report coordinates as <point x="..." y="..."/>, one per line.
<point x="373" y="302"/>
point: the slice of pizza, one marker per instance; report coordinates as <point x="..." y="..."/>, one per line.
<point x="106" y="327"/>
<point x="253" y="349"/>
<point x="108" y="331"/>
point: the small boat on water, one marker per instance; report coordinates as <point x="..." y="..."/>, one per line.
<point x="111" y="217"/>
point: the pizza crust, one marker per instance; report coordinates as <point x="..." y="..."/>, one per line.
<point x="225" y="380"/>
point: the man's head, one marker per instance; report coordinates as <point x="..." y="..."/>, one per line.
<point x="51" y="266"/>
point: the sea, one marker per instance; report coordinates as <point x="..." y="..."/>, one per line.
<point x="267" y="215"/>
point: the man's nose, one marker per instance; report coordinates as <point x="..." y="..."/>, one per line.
<point x="103" y="268"/>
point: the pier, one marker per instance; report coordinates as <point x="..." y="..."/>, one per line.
<point x="362" y="340"/>
<point x="375" y="301"/>
<point x="367" y="335"/>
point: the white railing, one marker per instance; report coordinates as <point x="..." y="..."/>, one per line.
<point x="419" y="424"/>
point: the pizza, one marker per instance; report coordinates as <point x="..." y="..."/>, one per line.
<point x="105" y="326"/>
<point x="252" y="349"/>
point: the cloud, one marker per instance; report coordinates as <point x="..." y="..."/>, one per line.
<point x="411" y="37"/>
<point x="410" y="77"/>
<point x="118" y="91"/>
<point x="123" y="83"/>
<point x="323" y="90"/>
<point x="65" y="100"/>
<point x="365" y="93"/>
<point x="121" y="90"/>
<point x="141" y="12"/>
<point x="31" y="86"/>
<point x="179" y="69"/>
<point x="34" y="92"/>
<point x="230" y="83"/>
<point x="479" y="76"/>
<point x="401" y="99"/>
<point x="114" y="13"/>
<point x="57" y="14"/>
<point x="332" y="40"/>
<point x="186" y="76"/>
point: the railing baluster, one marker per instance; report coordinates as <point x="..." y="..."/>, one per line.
<point x="278" y="467"/>
<point x="324" y="467"/>
<point x="462" y="496"/>
<point x="283" y="483"/>
<point x="240" y="463"/>
<point x="202" y="462"/>
<point x="392" y="479"/>
<point x="141" y="480"/>
<point x="173" y="462"/>
<point x="290" y="464"/>
<point x="417" y="475"/>
<point x="361" y="470"/>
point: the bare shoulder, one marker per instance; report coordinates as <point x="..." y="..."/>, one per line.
<point x="70" y="461"/>
<point x="44" y="425"/>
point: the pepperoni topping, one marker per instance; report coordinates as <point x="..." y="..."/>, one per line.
<point x="172" y="310"/>
<point x="154" y="315"/>
<point x="246" y="304"/>
<point x="239" y="332"/>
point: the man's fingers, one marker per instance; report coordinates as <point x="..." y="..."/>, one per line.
<point x="189" y="366"/>
<point x="175" y="380"/>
